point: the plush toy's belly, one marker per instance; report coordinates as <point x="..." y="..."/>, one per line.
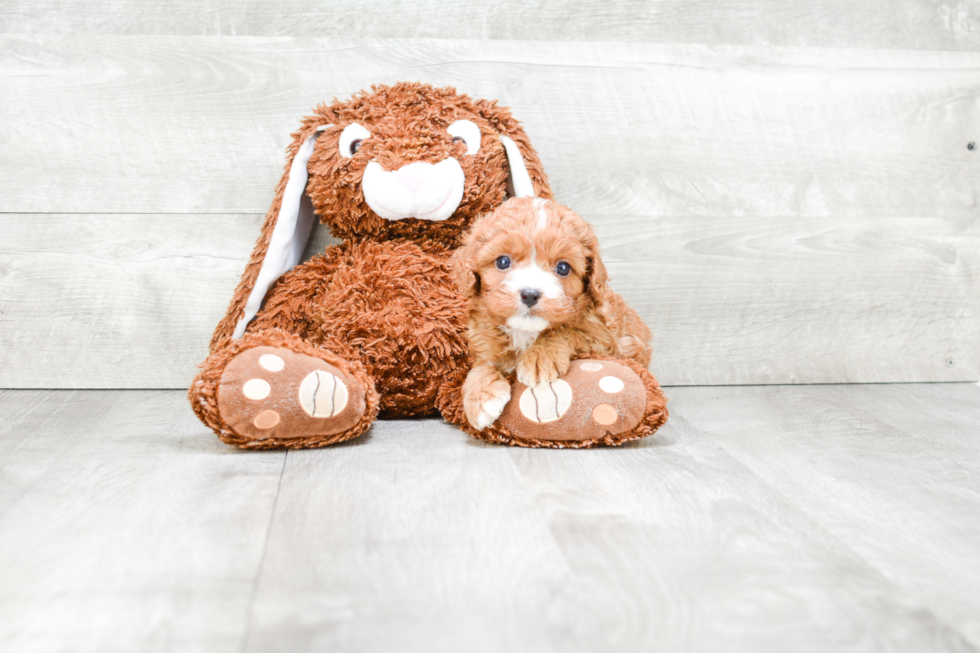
<point x="397" y="306"/>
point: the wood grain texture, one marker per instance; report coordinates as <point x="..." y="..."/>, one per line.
<point x="199" y="125"/>
<point x="89" y="301"/>
<point x="914" y="24"/>
<point x="802" y="300"/>
<point x="125" y="525"/>
<point x="913" y="409"/>
<point x="114" y="301"/>
<point x="668" y="545"/>
<point x="758" y="519"/>
<point x="856" y="460"/>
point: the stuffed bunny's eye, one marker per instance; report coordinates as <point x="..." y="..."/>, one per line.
<point x="502" y="262"/>
<point x="351" y="139"/>
<point x="467" y="132"/>
<point x="563" y="269"/>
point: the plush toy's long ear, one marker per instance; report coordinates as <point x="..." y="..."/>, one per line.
<point x="519" y="182"/>
<point x="285" y="232"/>
<point x="527" y="177"/>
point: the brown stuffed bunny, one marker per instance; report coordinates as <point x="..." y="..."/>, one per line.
<point x="310" y="354"/>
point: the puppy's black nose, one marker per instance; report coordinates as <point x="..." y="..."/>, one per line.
<point x="530" y="296"/>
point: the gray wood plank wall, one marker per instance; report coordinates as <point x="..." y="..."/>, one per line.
<point x="784" y="190"/>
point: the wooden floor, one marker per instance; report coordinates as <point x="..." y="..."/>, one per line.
<point x="761" y="518"/>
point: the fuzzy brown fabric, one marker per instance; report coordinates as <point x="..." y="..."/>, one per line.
<point x="382" y="307"/>
<point x="388" y="304"/>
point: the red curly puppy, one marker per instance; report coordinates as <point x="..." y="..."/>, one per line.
<point x="538" y="298"/>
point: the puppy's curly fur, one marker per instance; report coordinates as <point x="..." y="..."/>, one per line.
<point x="538" y="298"/>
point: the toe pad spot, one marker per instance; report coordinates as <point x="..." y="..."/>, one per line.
<point x="266" y="419"/>
<point x="256" y="389"/>
<point x="272" y="362"/>
<point x="604" y="414"/>
<point x="611" y="385"/>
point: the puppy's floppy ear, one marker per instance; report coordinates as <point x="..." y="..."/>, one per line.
<point x="527" y="177"/>
<point x="468" y="280"/>
<point x="596" y="278"/>
<point x="284" y="235"/>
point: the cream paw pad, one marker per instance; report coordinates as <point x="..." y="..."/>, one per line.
<point x="546" y="402"/>
<point x="272" y="392"/>
<point x="594" y="399"/>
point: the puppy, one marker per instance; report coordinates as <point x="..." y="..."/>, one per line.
<point x="538" y="298"/>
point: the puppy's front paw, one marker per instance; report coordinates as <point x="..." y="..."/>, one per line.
<point x="540" y="366"/>
<point x="484" y="397"/>
<point x="490" y="409"/>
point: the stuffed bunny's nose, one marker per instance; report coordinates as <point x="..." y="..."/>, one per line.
<point x="414" y="176"/>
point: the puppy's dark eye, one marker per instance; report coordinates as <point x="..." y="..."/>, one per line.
<point x="563" y="269"/>
<point x="355" y="145"/>
<point x="459" y="139"/>
<point x="503" y="262"/>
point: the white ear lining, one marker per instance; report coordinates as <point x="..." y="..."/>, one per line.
<point x="293" y="226"/>
<point x="520" y="180"/>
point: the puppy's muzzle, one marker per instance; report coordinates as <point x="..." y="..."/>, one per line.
<point x="530" y="296"/>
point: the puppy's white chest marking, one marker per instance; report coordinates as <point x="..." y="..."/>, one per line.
<point x="523" y="330"/>
<point x="521" y="340"/>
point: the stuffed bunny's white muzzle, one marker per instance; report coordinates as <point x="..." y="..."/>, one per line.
<point x="419" y="190"/>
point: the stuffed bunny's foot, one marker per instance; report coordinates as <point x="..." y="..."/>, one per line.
<point x="274" y="396"/>
<point x="596" y="402"/>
